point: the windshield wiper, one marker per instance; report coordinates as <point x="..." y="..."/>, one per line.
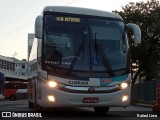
<point x="81" y="47"/>
<point x="103" y="57"/>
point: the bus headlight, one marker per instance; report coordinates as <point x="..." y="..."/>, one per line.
<point x="52" y="84"/>
<point x="123" y="85"/>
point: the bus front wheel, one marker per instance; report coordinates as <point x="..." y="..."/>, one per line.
<point x="101" y="110"/>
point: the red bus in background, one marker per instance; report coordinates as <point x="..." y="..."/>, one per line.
<point x="15" y="90"/>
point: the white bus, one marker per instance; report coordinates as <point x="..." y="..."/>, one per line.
<point x="80" y="59"/>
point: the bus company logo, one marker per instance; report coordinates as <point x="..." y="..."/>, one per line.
<point x="91" y="90"/>
<point x="105" y="82"/>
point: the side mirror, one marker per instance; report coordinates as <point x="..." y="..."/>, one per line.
<point x="38" y="27"/>
<point x="136" y="32"/>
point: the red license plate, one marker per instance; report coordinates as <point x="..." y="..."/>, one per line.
<point x="90" y="100"/>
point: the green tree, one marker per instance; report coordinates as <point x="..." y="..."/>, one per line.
<point x="147" y="16"/>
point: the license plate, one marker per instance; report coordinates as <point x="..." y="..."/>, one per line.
<point x="90" y="100"/>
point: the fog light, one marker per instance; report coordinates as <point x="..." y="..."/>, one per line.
<point x="51" y="98"/>
<point x="124" y="98"/>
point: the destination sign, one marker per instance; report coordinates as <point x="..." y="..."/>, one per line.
<point x="68" y="19"/>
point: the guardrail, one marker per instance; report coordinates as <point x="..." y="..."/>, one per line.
<point x="145" y="93"/>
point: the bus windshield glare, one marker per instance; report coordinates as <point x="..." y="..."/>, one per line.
<point x="84" y="44"/>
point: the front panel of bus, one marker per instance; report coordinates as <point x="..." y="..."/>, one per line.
<point x="87" y="55"/>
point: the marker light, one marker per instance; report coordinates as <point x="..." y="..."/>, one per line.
<point x="52" y="84"/>
<point x="124" y="98"/>
<point x="123" y="85"/>
<point x="51" y="98"/>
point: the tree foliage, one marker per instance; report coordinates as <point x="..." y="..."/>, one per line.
<point x="147" y="16"/>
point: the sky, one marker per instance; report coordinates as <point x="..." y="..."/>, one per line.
<point x="17" y="20"/>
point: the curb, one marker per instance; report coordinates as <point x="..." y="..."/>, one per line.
<point x="143" y="101"/>
<point x="144" y="105"/>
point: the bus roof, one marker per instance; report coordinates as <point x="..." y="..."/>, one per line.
<point x="82" y="11"/>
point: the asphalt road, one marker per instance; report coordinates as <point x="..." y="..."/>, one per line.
<point x="19" y="107"/>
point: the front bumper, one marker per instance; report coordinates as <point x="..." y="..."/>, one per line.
<point x="68" y="99"/>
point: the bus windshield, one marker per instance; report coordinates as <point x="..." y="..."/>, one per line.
<point x="71" y="42"/>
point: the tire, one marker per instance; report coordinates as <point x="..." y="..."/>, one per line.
<point x="101" y="110"/>
<point x="30" y="104"/>
<point x="12" y="97"/>
<point x="37" y="107"/>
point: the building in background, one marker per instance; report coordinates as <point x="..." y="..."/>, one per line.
<point x="14" y="68"/>
<point x="30" y="42"/>
<point x="21" y="67"/>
